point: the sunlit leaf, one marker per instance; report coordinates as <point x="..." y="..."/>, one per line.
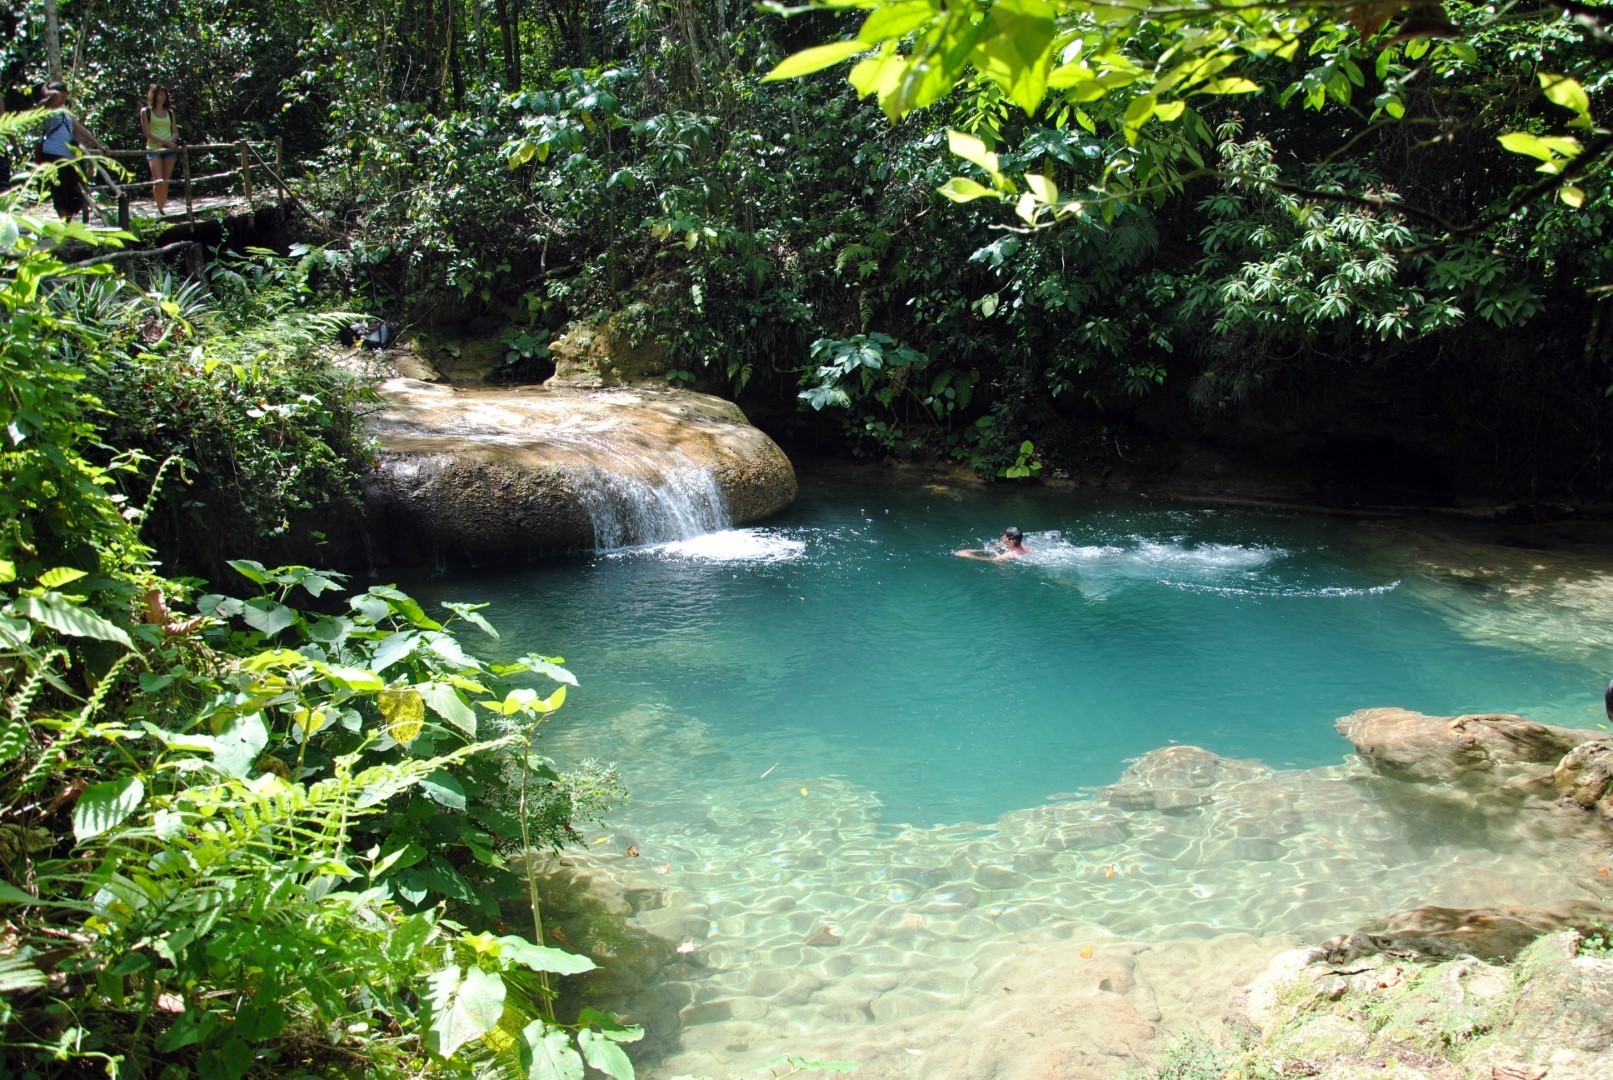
<point x="546" y="1054"/>
<point x="816" y="58"/>
<point x="61" y="575"/>
<point x="464" y="1006"/>
<point x="404" y="711"/>
<point x="1567" y="92"/>
<point x="1232" y="85"/>
<point x="445" y="701"/>
<point x="604" y="1055"/>
<point x="66" y="617"/>
<point x="972" y="149"/>
<point x="961" y="189"/>
<point x="543" y="958"/>
<point x="106" y="805"/>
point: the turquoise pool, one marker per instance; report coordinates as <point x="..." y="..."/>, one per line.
<point x="866" y="817"/>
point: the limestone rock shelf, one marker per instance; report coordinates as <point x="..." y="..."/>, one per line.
<point x="498" y="470"/>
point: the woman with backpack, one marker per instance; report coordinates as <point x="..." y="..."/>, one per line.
<point x="56" y="146"/>
<point x="161" y="130"/>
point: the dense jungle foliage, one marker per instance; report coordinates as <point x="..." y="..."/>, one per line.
<point x="1289" y="230"/>
<point x="266" y="821"/>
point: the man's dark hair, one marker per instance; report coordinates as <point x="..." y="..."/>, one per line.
<point x="1013" y="533"/>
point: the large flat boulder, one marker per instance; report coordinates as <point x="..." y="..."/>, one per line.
<point x="495" y="470"/>
<point x="1497" y="751"/>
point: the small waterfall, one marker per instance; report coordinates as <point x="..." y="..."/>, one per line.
<point x="639" y="504"/>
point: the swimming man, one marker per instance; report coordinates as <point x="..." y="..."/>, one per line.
<point x="1013" y="547"/>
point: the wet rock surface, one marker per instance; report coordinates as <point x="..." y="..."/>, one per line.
<point x="1585" y="776"/>
<point x="497" y="470"/>
<point x="1509" y="754"/>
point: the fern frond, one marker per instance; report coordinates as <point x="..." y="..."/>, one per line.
<point x="18" y="973"/>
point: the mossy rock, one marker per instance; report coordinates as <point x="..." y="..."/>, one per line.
<point x="609" y="352"/>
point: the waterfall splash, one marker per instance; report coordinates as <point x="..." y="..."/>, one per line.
<point x="648" y="506"/>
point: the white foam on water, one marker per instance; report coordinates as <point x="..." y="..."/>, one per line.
<point x="731" y="546"/>
<point x="1331" y="591"/>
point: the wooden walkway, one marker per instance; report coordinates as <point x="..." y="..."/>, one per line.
<point x="211" y="181"/>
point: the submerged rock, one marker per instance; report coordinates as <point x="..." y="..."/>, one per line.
<point x="1177" y="779"/>
<point x="493" y="470"/>
<point x="1491" y="933"/>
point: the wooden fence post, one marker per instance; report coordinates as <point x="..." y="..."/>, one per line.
<point x="184" y="169"/>
<point x="246" y="173"/>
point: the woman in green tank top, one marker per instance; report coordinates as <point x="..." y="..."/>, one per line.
<point x="161" y="130"/>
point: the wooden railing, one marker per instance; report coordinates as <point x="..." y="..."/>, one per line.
<point x="243" y="157"/>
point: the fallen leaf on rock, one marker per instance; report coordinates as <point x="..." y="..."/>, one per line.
<point x="664" y="868"/>
<point x="1108" y="872"/>
<point x="1602" y="870"/>
<point x="601" y="840"/>
<point x="686" y="946"/>
<point x="803" y="791"/>
<point x="632" y="850"/>
<point x="1086" y="952"/>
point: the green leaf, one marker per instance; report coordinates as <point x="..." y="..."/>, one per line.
<point x="237" y="748"/>
<point x="255" y="572"/>
<point x="1561" y="90"/>
<point x="471" y="614"/>
<point x="890" y="21"/>
<point x="392" y="648"/>
<point x="267" y="617"/>
<point x="355" y="679"/>
<point x="8" y="571"/>
<point x="609" y="1026"/>
<point x="405" y="605"/>
<point x="542" y="957"/>
<point x="106" y="805"/>
<point x="66" y="617"/>
<point x="464" y="1006"/>
<point x="1572" y="195"/>
<point x="972" y="149"/>
<point x="61" y="575"/>
<point x="1170" y="110"/>
<point x="816" y="58"/>
<point x="1545" y="149"/>
<point x="961" y="189"/>
<point x="546" y="1054"/>
<point x="445" y="701"/>
<point x="1015" y="48"/>
<point x="1138" y="113"/>
<point x="604" y="1055"/>
<point x="1231" y="85"/>
<point x="17" y="973"/>
<point x="443" y="787"/>
<point x="10" y="894"/>
<point x="1043" y="188"/>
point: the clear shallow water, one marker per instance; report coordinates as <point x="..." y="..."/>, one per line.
<point x="866" y="820"/>
<point x="844" y="639"/>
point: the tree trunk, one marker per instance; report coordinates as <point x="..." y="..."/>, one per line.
<point x="508" y="13"/>
<point x="53" y="40"/>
